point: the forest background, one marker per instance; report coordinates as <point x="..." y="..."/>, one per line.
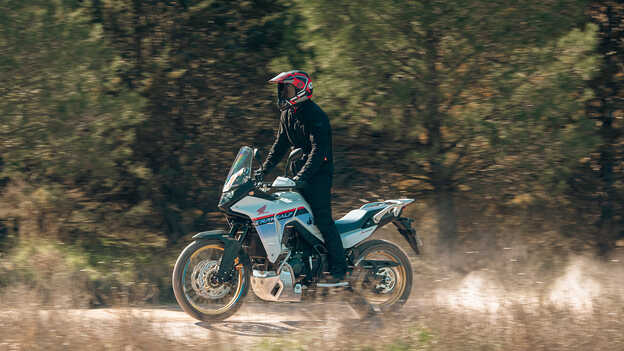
<point x="120" y="119"/>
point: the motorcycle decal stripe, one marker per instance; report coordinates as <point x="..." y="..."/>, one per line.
<point x="264" y="221"/>
<point x="284" y="215"/>
<point x="291" y="210"/>
<point x="301" y="211"/>
<point x="263" y="217"/>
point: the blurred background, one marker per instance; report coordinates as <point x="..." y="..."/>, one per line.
<point x="120" y="119"/>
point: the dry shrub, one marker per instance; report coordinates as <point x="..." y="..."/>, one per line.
<point x="39" y="210"/>
<point x="515" y="328"/>
<point x="43" y="271"/>
<point x="580" y="308"/>
<point x="62" y="276"/>
<point x="26" y="324"/>
<point x="60" y="245"/>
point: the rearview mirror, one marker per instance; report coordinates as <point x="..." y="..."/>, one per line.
<point x="257" y="157"/>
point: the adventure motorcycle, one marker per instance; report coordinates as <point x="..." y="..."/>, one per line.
<point x="273" y="245"/>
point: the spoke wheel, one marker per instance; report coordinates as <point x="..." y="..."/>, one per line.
<point x="195" y="283"/>
<point x="385" y="288"/>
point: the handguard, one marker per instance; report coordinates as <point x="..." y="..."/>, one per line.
<point x="286" y="184"/>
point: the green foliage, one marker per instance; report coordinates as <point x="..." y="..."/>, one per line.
<point x="438" y="76"/>
<point x="119" y="119"/>
<point x="62" y="113"/>
<point x="542" y="129"/>
<point x="203" y="69"/>
<point x="450" y="87"/>
<point x="75" y="276"/>
<point x="67" y="124"/>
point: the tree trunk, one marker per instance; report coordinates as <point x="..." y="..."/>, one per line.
<point x="441" y="179"/>
<point x="608" y="16"/>
<point x="447" y="225"/>
<point x="607" y="233"/>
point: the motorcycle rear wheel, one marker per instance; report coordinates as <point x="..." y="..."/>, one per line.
<point x="195" y="289"/>
<point x="388" y="288"/>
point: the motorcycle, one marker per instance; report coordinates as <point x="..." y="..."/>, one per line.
<point x="273" y="245"/>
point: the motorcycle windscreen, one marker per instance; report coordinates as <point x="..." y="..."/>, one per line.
<point x="240" y="172"/>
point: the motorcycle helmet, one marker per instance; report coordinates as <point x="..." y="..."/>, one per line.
<point x="303" y="88"/>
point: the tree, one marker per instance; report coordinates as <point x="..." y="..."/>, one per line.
<point x="203" y="67"/>
<point x="67" y="124"/>
<point x="599" y="178"/>
<point x="435" y="76"/>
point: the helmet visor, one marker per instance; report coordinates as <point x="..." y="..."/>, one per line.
<point x="282" y="100"/>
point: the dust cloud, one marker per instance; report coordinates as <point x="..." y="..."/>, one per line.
<point x="583" y="283"/>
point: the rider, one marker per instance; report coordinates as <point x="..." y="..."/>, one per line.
<point x="304" y="125"/>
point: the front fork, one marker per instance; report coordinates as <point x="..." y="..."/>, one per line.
<point x="231" y="253"/>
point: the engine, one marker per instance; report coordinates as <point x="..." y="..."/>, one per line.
<point x="304" y="260"/>
<point x="300" y="263"/>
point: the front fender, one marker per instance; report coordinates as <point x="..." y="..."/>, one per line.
<point x="232" y="249"/>
<point x="212" y="234"/>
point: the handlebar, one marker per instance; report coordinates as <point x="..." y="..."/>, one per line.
<point x="268" y="187"/>
<point x="285" y="188"/>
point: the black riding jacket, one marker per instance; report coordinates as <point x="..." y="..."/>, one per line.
<point x="308" y="128"/>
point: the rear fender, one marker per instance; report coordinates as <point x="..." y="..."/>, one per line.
<point x="404" y="225"/>
<point x="392" y="213"/>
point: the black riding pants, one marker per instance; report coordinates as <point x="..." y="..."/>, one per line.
<point x="318" y="194"/>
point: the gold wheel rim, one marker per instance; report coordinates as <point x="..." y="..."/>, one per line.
<point x="239" y="286"/>
<point x="399" y="287"/>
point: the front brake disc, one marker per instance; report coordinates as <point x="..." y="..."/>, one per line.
<point x="203" y="283"/>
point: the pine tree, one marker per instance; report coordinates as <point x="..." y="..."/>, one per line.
<point x="203" y="67"/>
<point x="601" y="176"/>
<point x="438" y="77"/>
<point x="67" y="124"/>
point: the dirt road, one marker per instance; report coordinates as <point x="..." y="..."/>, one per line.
<point x="480" y="306"/>
<point x="254" y="323"/>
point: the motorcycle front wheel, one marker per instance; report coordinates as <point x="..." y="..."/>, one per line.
<point x="386" y="288"/>
<point x="196" y="288"/>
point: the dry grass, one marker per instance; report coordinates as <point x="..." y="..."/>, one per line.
<point x="25" y="324"/>
<point x="28" y="324"/>
<point x="34" y="329"/>
<point x="509" y="301"/>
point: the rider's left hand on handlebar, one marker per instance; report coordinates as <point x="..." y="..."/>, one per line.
<point x="258" y="175"/>
<point x="299" y="183"/>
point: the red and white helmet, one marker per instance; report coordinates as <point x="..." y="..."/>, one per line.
<point x="303" y="88"/>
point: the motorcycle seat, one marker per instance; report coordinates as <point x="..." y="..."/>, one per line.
<point x="355" y="219"/>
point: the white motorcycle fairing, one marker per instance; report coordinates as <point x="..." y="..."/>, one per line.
<point x="271" y="217"/>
